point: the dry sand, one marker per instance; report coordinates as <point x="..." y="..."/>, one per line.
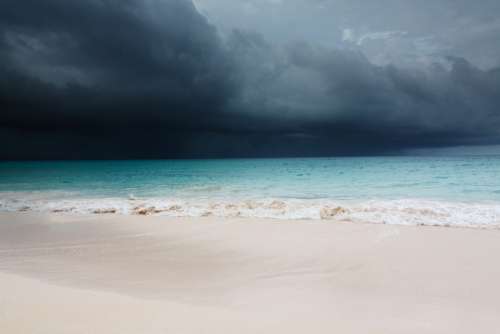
<point x="116" y="274"/>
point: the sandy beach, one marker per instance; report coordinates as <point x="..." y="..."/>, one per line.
<point x="128" y="274"/>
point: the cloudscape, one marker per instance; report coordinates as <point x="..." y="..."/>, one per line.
<point x="107" y="79"/>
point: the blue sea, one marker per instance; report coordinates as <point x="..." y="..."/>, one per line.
<point x="455" y="191"/>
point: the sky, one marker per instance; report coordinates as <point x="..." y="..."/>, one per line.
<point x="123" y="79"/>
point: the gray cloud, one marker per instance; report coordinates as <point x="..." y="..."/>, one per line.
<point x="340" y="93"/>
<point x="149" y="79"/>
<point x="423" y="28"/>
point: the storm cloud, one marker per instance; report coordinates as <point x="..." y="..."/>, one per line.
<point x="156" y="79"/>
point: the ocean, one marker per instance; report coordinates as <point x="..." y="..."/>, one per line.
<point x="449" y="191"/>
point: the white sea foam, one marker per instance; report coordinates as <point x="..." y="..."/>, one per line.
<point x="404" y="211"/>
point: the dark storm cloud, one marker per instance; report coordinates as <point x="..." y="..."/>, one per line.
<point x="407" y="103"/>
<point x="83" y="59"/>
<point x="145" y="79"/>
<point x="342" y="103"/>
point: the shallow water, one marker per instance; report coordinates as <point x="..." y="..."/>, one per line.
<point x="401" y="190"/>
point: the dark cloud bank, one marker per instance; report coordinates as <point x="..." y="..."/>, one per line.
<point x="153" y="79"/>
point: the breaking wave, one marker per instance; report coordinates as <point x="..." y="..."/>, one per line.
<point x="403" y="211"/>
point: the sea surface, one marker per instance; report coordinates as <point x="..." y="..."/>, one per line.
<point x="450" y="191"/>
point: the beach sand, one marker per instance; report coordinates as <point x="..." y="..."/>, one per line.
<point x="129" y="274"/>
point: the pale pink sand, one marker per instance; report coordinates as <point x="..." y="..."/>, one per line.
<point x="115" y="274"/>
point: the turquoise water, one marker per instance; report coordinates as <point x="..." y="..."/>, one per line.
<point x="308" y="182"/>
<point x="452" y="178"/>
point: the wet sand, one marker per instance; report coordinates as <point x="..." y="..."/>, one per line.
<point x="129" y="274"/>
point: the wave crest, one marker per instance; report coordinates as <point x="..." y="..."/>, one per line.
<point x="404" y="211"/>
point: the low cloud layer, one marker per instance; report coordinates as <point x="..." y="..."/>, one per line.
<point x="156" y="79"/>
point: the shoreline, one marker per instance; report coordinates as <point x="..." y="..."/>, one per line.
<point x="70" y="216"/>
<point x="405" y="211"/>
<point x="154" y="274"/>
